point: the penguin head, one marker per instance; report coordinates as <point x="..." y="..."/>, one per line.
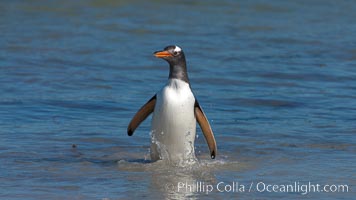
<point x="172" y="54"/>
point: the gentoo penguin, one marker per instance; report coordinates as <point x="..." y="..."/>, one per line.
<point x="175" y="112"/>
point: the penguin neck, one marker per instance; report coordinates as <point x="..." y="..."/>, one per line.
<point x="178" y="71"/>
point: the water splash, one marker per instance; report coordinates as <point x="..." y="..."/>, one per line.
<point x="159" y="151"/>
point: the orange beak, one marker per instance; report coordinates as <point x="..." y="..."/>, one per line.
<point x="162" y="54"/>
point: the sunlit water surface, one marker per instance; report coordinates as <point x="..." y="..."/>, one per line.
<point x="276" y="79"/>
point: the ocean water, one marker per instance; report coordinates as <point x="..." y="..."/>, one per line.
<point x="277" y="80"/>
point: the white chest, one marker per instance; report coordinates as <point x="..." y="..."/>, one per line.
<point x="173" y="122"/>
<point x="177" y="99"/>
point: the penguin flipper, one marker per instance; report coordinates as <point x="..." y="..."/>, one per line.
<point x="141" y="115"/>
<point x="205" y="127"/>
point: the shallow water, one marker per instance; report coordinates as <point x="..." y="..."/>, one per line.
<point x="276" y="79"/>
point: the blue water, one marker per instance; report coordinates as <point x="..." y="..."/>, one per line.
<point x="277" y="80"/>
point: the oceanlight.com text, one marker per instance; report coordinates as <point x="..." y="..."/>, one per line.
<point x="302" y="188"/>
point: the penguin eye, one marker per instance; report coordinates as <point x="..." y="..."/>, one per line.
<point x="175" y="53"/>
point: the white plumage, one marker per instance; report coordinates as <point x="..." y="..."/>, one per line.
<point x="174" y="124"/>
<point x="177" y="49"/>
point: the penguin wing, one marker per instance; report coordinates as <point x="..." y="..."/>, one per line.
<point x="205" y="127"/>
<point x="141" y="115"/>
